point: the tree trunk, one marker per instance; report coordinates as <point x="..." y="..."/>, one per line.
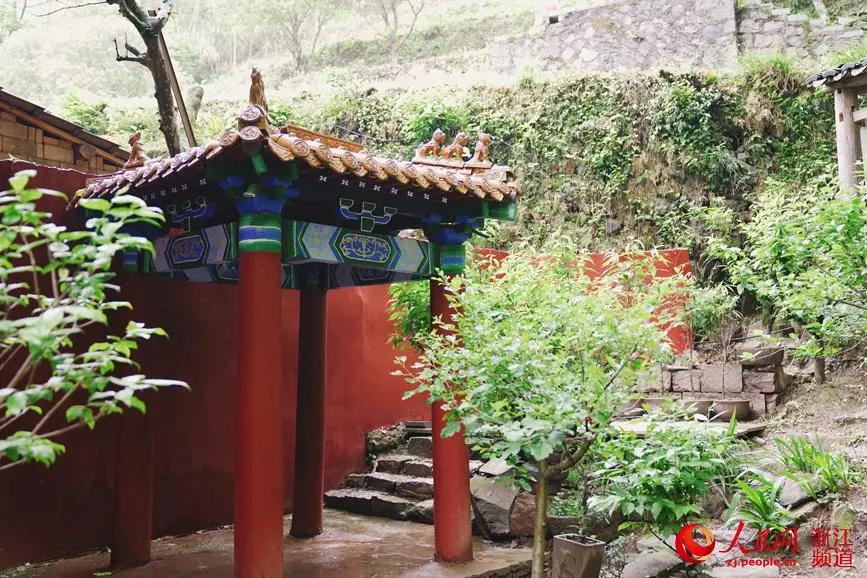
<point x="540" y="530"/>
<point x="819" y="370"/>
<point x="163" y="93"/>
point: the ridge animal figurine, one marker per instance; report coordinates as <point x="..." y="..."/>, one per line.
<point x="137" y="156"/>
<point x="455" y="150"/>
<point x="432" y="147"/>
<point x="483" y="149"/>
<point x="257" y="90"/>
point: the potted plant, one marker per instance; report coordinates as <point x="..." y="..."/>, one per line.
<point x="547" y="356"/>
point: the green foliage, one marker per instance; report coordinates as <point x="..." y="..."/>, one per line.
<point x="409" y="310"/>
<point x="829" y="474"/>
<point x="545" y="350"/>
<point x="92" y="117"/>
<point x="757" y="503"/>
<point x="9" y="22"/>
<point x="709" y="307"/>
<point x="805" y="255"/>
<point x="56" y="285"/>
<point x="659" y="481"/>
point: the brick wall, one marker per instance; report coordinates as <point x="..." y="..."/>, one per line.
<point x="21" y="140"/>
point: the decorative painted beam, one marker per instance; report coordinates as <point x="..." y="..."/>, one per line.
<point x="305" y="242"/>
<point x="194" y="249"/>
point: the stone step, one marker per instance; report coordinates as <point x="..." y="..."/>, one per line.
<point x="421" y="446"/>
<point x="414" y="466"/>
<point x="374" y="503"/>
<point x="410" y="487"/>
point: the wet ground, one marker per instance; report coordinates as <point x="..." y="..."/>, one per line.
<point x="352" y="546"/>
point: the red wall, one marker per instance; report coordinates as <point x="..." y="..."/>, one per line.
<point x="46" y="513"/>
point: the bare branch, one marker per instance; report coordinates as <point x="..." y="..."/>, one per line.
<point x="137" y="56"/>
<point x="62" y="8"/>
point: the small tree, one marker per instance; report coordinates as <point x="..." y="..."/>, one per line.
<point x="389" y="18"/>
<point x="54" y="287"/>
<point x="546" y="358"/>
<point x="302" y="20"/>
<point x="805" y="255"/>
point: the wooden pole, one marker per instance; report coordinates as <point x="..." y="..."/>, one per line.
<point x="258" y="418"/>
<point x="848" y="138"/>
<point x="453" y="535"/>
<point x="134" y="490"/>
<point x="310" y="410"/>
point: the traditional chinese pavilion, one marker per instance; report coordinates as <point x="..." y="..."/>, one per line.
<point x="284" y="208"/>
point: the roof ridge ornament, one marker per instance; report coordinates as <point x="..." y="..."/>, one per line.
<point x="137" y="156"/>
<point x="256" y="112"/>
<point x="436" y="153"/>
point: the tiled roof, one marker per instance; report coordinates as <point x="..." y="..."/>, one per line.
<point x="496" y="183"/>
<point x="838" y="74"/>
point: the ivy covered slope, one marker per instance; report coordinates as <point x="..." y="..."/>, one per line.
<point x="608" y="159"/>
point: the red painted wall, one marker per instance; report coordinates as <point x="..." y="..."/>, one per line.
<point x="69" y="508"/>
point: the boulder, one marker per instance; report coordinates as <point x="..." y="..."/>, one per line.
<point x="493" y="502"/>
<point x="422" y="512"/>
<point x="843" y="516"/>
<point x="792" y="494"/>
<point x="766" y="381"/>
<point x="762" y="356"/>
<point x="650" y="564"/>
<point x="421" y="446"/>
<point x="393" y="507"/>
<point x="715" y="376"/>
<point x="385" y="439"/>
<point x="522" y="517"/>
<point x="495" y="467"/>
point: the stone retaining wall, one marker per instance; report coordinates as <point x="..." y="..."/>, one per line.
<point x="671" y="34"/>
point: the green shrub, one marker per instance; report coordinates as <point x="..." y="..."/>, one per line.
<point x="757" y="503"/>
<point x="92" y="117"/>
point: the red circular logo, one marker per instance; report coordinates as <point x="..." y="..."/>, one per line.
<point x="689" y="548"/>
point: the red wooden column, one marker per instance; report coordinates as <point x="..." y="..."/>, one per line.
<point x="134" y="490"/>
<point x="310" y="412"/>
<point x="453" y="534"/>
<point x="134" y="464"/>
<point x="258" y="417"/>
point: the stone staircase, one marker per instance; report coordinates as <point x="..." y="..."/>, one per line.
<point x="400" y="486"/>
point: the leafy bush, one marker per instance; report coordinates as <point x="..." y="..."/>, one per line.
<point x="409" y="310"/>
<point x="92" y="117"/>
<point x="757" y="503"/>
<point x="830" y="474"/>
<point x="658" y="481"/>
<point x="54" y="291"/>
<point x="547" y="356"/>
<point x="709" y="307"/>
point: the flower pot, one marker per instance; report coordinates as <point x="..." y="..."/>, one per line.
<point x="576" y="556"/>
<point x="722" y="410"/>
<point x="698" y="406"/>
<point x="632" y="409"/>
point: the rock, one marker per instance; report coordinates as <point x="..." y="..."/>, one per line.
<point x="494" y="502"/>
<point x="522" y="517"/>
<point x="385" y="439"/>
<point x="391" y="464"/>
<point x="355" y="480"/>
<point x="792" y="494"/>
<point x="853" y="418"/>
<point x="715" y="376"/>
<point x="743" y="572"/>
<point x="650" y="564"/>
<point x="680" y="380"/>
<point x="380" y="482"/>
<point x="420" y="446"/>
<point x="771" y="401"/>
<point x="417" y="468"/>
<point x="843" y="516"/>
<point x="496" y="467"/>
<point x="350" y="500"/>
<point x="762" y="356"/>
<point x="475" y="466"/>
<point x="766" y="381"/>
<point x="804" y="512"/>
<point x="393" y="507"/>
<point x="415" y="488"/>
<point x="422" y="512"/>
<point x="757" y="403"/>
